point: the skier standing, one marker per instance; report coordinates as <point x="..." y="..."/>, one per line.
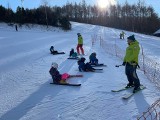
<point x="131" y="62"/>
<point x="80" y="44"/>
<point x="16" y="27"/>
<point x="122" y="35"/>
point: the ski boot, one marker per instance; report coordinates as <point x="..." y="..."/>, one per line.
<point x="129" y="85"/>
<point x="136" y="89"/>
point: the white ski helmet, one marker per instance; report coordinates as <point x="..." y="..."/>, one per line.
<point x="55" y="65"/>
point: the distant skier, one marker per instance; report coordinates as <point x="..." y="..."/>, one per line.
<point x="84" y="67"/>
<point x="54" y="52"/>
<point x="93" y="59"/>
<point x="122" y="35"/>
<point x="131" y="62"/>
<point x="80" y="44"/>
<point x="16" y="27"/>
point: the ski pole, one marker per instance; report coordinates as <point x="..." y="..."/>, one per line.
<point x="118" y="65"/>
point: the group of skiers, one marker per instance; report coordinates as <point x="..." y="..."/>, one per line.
<point x="82" y="66"/>
<point x="59" y="78"/>
<point x="130" y="62"/>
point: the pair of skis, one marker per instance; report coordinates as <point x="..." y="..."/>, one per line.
<point x="100" y="70"/>
<point x="98" y="65"/>
<point x="127" y="96"/>
<point x="74" y="58"/>
<point x="69" y="84"/>
<point x="58" y="53"/>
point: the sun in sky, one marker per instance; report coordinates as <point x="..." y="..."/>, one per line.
<point x="105" y="3"/>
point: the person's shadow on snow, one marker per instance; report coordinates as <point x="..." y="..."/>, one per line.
<point x="141" y="103"/>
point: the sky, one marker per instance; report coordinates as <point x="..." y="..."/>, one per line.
<point x="25" y="89"/>
<point x="30" y="4"/>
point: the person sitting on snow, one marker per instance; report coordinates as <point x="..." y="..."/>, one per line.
<point x="52" y="50"/>
<point x="93" y="59"/>
<point x="84" y="67"/>
<point x="72" y="53"/>
<point x="56" y="76"/>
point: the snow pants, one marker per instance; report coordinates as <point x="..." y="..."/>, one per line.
<point x="131" y="74"/>
<point x="80" y="46"/>
<point x="94" y="61"/>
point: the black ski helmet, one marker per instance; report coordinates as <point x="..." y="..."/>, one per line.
<point x="83" y="59"/>
<point x="78" y="34"/>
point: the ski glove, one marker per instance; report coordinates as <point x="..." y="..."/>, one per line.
<point x="124" y="63"/>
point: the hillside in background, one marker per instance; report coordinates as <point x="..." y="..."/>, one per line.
<point x="138" y="17"/>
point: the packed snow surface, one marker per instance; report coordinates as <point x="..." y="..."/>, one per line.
<point x="25" y="89"/>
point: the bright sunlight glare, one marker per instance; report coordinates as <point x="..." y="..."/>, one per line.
<point x="105" y="3"/>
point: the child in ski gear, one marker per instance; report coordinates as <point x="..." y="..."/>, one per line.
<point x="93" y="59"/>
<point x="56" y="76"/>
<point x="72" y="53"/>
<point x="84" y="67"/>
<point x="52" y="50"/>
<point x="80" y="44"/>
<point x="131" y="62"/>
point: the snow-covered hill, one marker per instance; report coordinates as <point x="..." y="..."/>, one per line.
<point x="24" y="79"/>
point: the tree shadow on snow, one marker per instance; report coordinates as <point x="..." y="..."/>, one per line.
<point x="67" y="65"/>
<point x="25" y="106"/>
<point x="44" y="90"/>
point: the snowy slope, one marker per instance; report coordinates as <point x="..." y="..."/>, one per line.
<point x="24" y="79"/>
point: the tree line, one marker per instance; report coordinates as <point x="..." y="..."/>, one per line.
<point x="136" y="17"/>
<point x="43" y="15"/>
